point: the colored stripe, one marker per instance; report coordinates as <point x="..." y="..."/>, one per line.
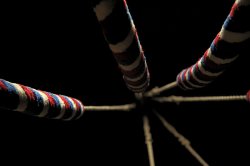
<point x="68" y="112"/>
<point x="23" y="101"/>
<point x="234" y="37"/>
<point x="81" y="109"/>
<point x="11" y="89"/>
<point x="62" y="106"/>
<point x="123" y="45"/>
<point x="224" y="49"/>
<point x="9" y="99"/>
<point x="2" y="86"/>
<point x="73" y="110"/>
<point x="104" y="9"/>
<point x="248" y="96"/>
<point x="117" y="25"/>
<point x="46" y="104"/>
<point x="121" y="35"/>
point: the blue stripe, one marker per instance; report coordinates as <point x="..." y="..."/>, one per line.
<point x="70" y="103"/>
<point x="10" y="87"/>
<point x="38" y="96"/>
<point x="227" y="22"/>
<point x="57" y="102"/>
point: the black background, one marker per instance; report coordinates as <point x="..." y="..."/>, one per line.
<point x="58" y="46"/>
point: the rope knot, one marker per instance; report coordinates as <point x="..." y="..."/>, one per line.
<point x="184" y="141"/>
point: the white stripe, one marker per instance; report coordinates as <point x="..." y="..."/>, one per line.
<point x="190" y="83"/>
<point x="45" y="104"/>
<point x="137" y="78"/>
<point x="62" y="105"/>
<point x="234" y="37"/>
<point x="243" y="2"/>
<point x="74" y="109"/>
<point x="218" y="60"/>
<point x="138" y="87"/>
<point x="132" y="66"/>
<point x="182" y="81"/>
<point x="104" y="9"/>
<point x="196" y="79"/>
<point x="23" y="102"/>
<point x="205" y="72"/>
<point x="82" y="109"/>
<point x="123" y="45"/>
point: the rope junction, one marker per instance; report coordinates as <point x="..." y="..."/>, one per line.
<point x="121" y="36"/>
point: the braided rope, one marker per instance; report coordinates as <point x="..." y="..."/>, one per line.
<point x="148" y="140"/>
<point x="125" y="107"/>
<point x="158" y="90"/>
<point x="179" y="99"/>
<point x="121" y="35"/>
<point x="38" y="103"/>
<point x="233" y="36"/>
<point x="184" y="141"/>
<point x="132" y="62"/>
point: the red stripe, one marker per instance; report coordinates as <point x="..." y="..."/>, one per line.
<point x="2" y="86"/>
<point x="234" y="7"/>
<point x="179" y="77"/>
<point x="50" y="98"/>
<point x="125" y="3"/>
<point x="197" y="67"/>
<point x="29" y="93"/>
<point x="66" y="103"/>
<point x="217" y="38"/>
<point x="248" y="96"/>
<point x="184" y="73"/>
<point x="206" y="54"/>
<point x="77" y="104"/>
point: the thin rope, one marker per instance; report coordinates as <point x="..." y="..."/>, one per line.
<point x="184" y="141"/>
<point x="179" y="99"/>
<point x="148" y="140"/>
<point x="125" y="107"/>
<point x="158" y="90"/>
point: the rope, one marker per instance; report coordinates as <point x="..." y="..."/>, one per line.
<point x="148" y="140"/>
<point x="224" y="49"/>
<point x="38" y="103"/>
<point x="184" y="141"/>
<point x="125" y="107"/>
<point x="158" y="90"/>
<point x="179" y="99"/>
<point x="121" y="35"/>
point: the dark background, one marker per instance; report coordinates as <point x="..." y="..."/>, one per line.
<point x="58" y="46"/>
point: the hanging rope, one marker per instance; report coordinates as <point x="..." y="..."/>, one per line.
<point x="148" y="140"/>
<point x="179" y="99"/>
<point x="120" y="33"/>
<point x="232" y="38"/>
<point x="39" y="103"/>
<point x="184" y="141"/>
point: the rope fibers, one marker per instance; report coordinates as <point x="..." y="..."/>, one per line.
<point x="122" y="37"/>
<point x="225" y="48"/>
<point x="38" y="103"/>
